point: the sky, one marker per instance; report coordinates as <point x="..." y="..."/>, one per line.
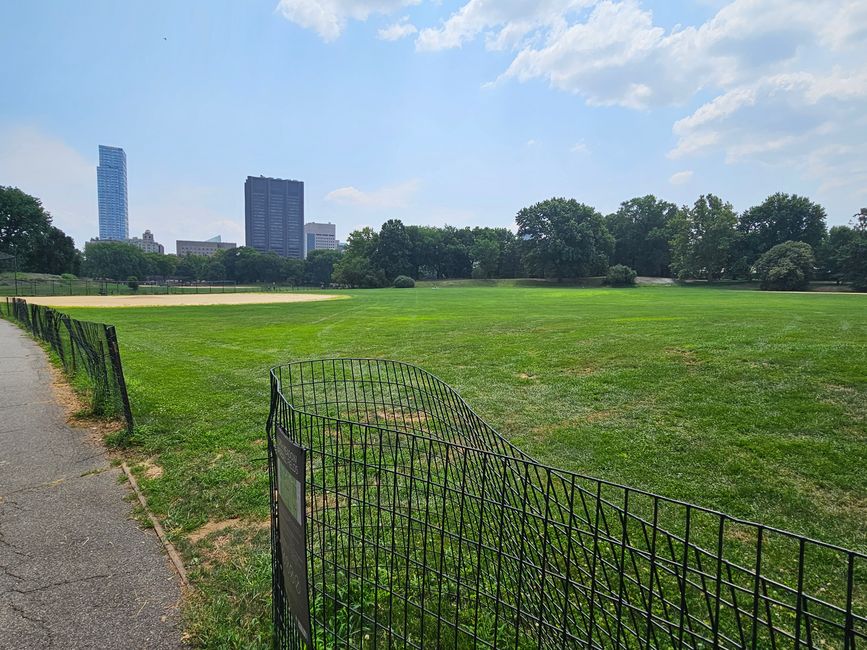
<point x="431" y="111"/>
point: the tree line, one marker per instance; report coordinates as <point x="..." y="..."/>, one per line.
<point x="784" y="242"/>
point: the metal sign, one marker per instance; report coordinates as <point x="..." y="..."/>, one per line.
<point x="292" y="528"/>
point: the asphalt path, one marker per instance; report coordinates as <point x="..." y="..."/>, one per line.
<point x="75" y="570"/>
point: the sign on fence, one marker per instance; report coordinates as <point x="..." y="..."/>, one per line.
<point x="292" y="517"/>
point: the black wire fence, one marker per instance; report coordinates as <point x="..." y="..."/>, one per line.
<point x="408" y="522"/>
<point x="87" y="350"/>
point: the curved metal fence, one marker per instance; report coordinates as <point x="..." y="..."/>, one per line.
<point x="414" y="524"/>
<point x="84" y="348"/>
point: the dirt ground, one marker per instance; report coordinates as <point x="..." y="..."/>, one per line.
<point x="171" y="300"/>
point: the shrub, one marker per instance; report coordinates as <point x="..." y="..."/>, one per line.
<point x="620" y="275"/>
<point x="786" y="267"/>
<point x="404" y="282"/>
<point x="68" y="276"/>
<point x="132" y="282"/>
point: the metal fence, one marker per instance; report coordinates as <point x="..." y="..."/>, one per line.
<point x="424" y="528"/>
<point x="85" y="349"/>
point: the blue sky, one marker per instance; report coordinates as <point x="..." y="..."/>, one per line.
<point x="435" y="112"/>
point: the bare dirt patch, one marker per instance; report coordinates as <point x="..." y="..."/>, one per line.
<point x="75" y="408"/>
<point x="151" y="469"/>
<point x="179" y="300"/>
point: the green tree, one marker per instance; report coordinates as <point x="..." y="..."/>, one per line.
<point x="191" y="267"/>
<point x="294" y="270"/>
<point x="113" y="260"/>
<point x="320" y="266"/>
<point x="393" y="251"/>
<point x="564" y="238"/>
<point x="854" y="256"/>
<point x="641" y="228"/>
<point x="425" y="248"/>
<point x="56" y="253"/>
<point x="780" y="218"/>
<point x="357" y="271"/>
<point x="704" y="238"/>
<point x="831" y="257"/>
<point x="161" y="266"/>
<point x="485" y="253"/>
<point x="27" y="233"/>
<point x="786" y="267"/>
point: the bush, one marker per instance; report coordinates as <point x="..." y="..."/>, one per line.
<point x="620" y="275"/>
<point x="404" y="282"/>
<point x="132" y="282"/>
<point x="68" y="276"/>
<point x="786" y="267"/>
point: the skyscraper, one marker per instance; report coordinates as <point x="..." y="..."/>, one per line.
<point x="274" y="215"/>
<point x="111" y="190"/>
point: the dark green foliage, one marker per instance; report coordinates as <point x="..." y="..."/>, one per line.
<point x="404" y="282"/>
<point x="393" y="249"/>
<point x="320" y="266"/>
<point x="113" y="260"/>
<point x="26" y="232"/>
<point x="132" y="283"/>
<point x="564" y="239"/>
<point x="854" y="255"/>
<point x="356" y="271"/>
<point x="620" y="276"/>
<point x="780" y="218"/>
<point x="641" y="229"/>
<point x="786" y="267"/>
<point x="703" y="239"/>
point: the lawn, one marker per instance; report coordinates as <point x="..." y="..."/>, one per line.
<point x="748" y="402"/>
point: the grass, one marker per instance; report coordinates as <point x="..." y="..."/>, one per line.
<point x="749" y="402"/>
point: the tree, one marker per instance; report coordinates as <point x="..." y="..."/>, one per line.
<point x="854" y="256"/>
<point x="191" y="267"/>
<point x="393" y="250"/>
<point x="357" y="271"/>
<point x="320" y="266"/>
<point x="56" y="253"/>
<point x="831" y="257"/>
<point x="113" y="260"/>
<point x="27" y="233"/>
<point x="485" y="253"/>
<point x="620" y="275"/>
<point x="425" y="251"/>
<point x="786" y="267"/>
<point x="780" y="218"/>
<point x="641" y="228"/>
<point x="564" y="238"/>
<point x="703" y="239"/>
<point x="161" y="266"/>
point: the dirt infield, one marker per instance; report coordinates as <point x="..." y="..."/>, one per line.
<point x="177" y="300"/>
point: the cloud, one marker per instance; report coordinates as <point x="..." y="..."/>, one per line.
<point x="46" y="167"/>
<point x="580" y="147"/>
<point x="531" y="142"/>
<point x="681" y="178"/>
<point x="395" y="196"/>
<point x="328" y="18"/>
<point x="397" y="31"/>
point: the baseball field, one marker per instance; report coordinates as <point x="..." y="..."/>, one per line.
<point x="749" y="402"/>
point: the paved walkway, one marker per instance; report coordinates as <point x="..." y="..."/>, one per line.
<point x="75" y="570"/>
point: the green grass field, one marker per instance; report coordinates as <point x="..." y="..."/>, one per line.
<point x="753" y="403"/>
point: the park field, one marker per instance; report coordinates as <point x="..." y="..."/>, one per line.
<point x="749" y="402"/>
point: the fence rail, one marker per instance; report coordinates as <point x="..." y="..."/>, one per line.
<point x="84" y="348"/>
<point x="424" y="528"/>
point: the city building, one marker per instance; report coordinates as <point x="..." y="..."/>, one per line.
<point x="274" y="215"/>
<point x="205" y="248"/>
<point x="111" y="194"/>
<point x="320" y="236"/>
<point x="147" y="243"/>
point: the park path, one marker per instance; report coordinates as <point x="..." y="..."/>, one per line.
<point x="75" y="570"/>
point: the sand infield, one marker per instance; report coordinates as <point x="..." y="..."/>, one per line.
<point x="178" y="300"/>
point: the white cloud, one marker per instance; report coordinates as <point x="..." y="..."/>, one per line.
<point x="394" y="196"/>
<point x="580" y="147"/>
<point x="531" y="142"/>
<point x="328" y="18"/>
<point x="46" y="167"/>
<point x="681" y="178"/>
<point x="397" y="31"/>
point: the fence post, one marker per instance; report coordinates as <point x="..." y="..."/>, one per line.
<point x="114" y="355"/>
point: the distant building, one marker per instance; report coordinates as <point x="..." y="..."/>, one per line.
<point x="111" y="194"/>
<point x="205" y="248"/>
<point x="274" y="215"/>
<point x="147" y="243"/>
<point x="320" y="236"/>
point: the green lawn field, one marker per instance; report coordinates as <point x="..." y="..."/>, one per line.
<point x="749" y="402"/>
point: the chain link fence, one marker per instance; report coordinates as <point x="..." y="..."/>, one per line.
<point x="85" y="349"/>
<point x="419" y="526"/>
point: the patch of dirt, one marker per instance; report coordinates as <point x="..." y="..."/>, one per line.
<point x="596" y="416"/>
<point x="177" y="300"/>
<point x="212" y="527"/>
<point x="151" y="469"/>
<point x="687" y="356"/>
<point x="217" y="541"/>
<point x="73" y="407"/>
<point x="658" y="282"/>
<point x="526" y="376"/>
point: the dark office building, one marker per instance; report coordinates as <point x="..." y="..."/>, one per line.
<point x="274" y="215"/>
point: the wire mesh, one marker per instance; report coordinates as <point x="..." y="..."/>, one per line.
<point x="85" y="349"/>
<point x="426" y="528"/>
